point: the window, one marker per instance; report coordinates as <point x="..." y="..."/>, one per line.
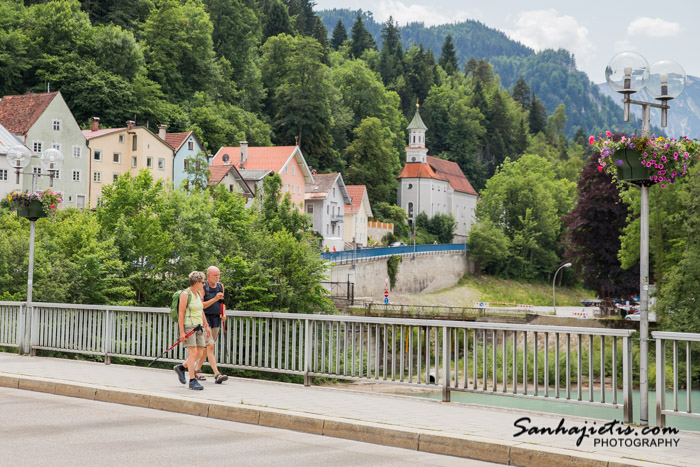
<point x="309" y="208"/>
<point x="134" y="143"/>
<point x="161" y="163"/>
<point x="56" y="146"/>
<point x="57" y="174"/>
<point x="76" y="175"/>
<point x="190" y="145"/>
<point x="133" y="161"/>
<point x="36" y="170"/>
<point x="334" y="192"/>
<point x="410" y="210"/>
<point x="37" y="147"/>
<point x="77" y="152"/>
<point x="149" y="162"/>
<point x="230" y="188"/>
<point x="97" y="177"/>
<point x="97" y="155"/>
<point x="117" y="158"/>
<point x="187" y="164"/>
<point x="3" y="175"/>
<point x="328" y="209"/>
<point x="294" y="171"/>
<point x="121" y="139"/>
<point x="115" y="177"/>
<point x="328" y="230"/>
<point x="57" y="125"/>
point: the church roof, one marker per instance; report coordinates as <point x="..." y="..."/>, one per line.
<point x="417" y="122"/>
<point x="440" y="169"/>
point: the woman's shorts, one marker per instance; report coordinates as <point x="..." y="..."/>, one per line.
<point x="196" y="339"/>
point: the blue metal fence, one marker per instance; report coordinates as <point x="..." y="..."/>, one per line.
<point x="365" y="254"/>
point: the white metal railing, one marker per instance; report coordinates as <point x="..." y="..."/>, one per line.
<point x="518" y="360"/>
<point x="10" y="319"/>
<point x="672" y="339"/>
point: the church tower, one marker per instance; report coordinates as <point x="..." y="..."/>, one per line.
<point x="416" y="150"/>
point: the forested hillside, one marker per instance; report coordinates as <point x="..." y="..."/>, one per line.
<point x="551" y="75"/>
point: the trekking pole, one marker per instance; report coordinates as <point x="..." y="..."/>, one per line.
<point x="223" y="326"/>
<point x="196" y="328"/>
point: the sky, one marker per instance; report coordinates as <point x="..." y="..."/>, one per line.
<point x="593" y="30"/>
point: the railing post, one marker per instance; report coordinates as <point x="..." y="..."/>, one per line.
<point x="627" y="380"/>
<point x="33" y="330"/>
<point x="21" y="318"/>
<point x="660" y="382"/>
<point x="307" y="352"/>
<point x="107" y="336"/>
<point x="445" y="365"/>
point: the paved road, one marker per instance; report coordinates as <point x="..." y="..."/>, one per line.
<point x="43" y="430"/>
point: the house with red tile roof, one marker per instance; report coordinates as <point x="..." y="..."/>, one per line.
<point x="186" y="146"/>
<point x="287" y="161"/>
<point x="357" y="215"/>
<point x="8" y="177"/>
<point x="43" y="121"/>
<point x="326" y="200"/>
<point x="433" y="185"/>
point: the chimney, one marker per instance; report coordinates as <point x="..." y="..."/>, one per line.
<point x="244" y="152"/>
<point x="95" y="124"/>
<point x="162" y="130"/>
<point x="130" y="123"/>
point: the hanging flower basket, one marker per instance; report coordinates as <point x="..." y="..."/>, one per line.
<point x="645" y="160"/>
<point x="34" y="206"/>
<point x="630" y="168"/>
<point x="32" y="211"/>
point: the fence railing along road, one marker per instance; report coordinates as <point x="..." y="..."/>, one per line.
<point x="528" y="361"/>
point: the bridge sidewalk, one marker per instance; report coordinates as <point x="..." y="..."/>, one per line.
<point x="485" y="433"/>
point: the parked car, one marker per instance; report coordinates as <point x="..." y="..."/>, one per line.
<point x="636" y="316"/>
<point x="397" y="244"/>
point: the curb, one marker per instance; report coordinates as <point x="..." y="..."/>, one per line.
<point x="466" y="446"/>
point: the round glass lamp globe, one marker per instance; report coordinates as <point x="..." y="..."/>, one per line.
<point x="52" y="159"/>
<point x="667" y="80"/>
<point x="18" y="157"/>
<point x="627" y="72"/>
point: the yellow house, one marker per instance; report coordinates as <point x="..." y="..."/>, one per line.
<point x="116" y="151"/>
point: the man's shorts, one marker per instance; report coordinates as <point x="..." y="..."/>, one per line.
<point x="213" y="337"/>
<point x="196" y="339"/>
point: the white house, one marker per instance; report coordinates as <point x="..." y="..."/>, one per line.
<point x="8" y="177"/>
<point x="357" y="215"/>
<point x="433" y="185"/>
<point x="325" y="201"/>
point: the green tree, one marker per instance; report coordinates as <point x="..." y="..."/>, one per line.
<point x="340" y="35"/>
<point x="370" y="161"/>
<point x="389" y="212"/>
<point x="521" y="93"/>
<point x="361" y="39"/>
<point x="276" y="20"/>
<point x="538" y="116"/>
<point x="197" y="172"/>
<point x="391" y="57"/>
<point x="448" y="56"/>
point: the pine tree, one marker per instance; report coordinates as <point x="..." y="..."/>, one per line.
<point x="448" y="57"/>
<point x="521" y="93"/>
<point x="340" y="35"/>
<point x="538" y="115"/>
<point x="361" y="38"/>
<point x="276" y="21"/>
<point x="391" y="57"/>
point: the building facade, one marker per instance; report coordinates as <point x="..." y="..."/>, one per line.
<point x="326" y="201"/>
<point x="43" y="121"/>
<point x="116" y="151"/>
<point x="433" y="185"/>
<point x="357" y="215"/>
<point x="186" y="146"/>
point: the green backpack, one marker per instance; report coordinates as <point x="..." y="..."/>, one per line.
<point x="175" y="305"/>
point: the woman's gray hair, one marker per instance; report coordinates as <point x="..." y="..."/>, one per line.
<point x="196" y="276"/>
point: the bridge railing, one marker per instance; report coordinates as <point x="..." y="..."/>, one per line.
<point x="10" y="319"/>
<point x="569" y="364"/>
<point x="680" y="343"/>
<point x="370" y="254"/>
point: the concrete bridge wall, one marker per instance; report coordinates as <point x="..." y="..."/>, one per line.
<point x="422" y="273"/>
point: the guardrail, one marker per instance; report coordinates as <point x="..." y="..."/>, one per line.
<point x="664" y="339"/>
<point x="10" y="319"/>
<point x="371" y="254"/>
<point x="493" y="358"/>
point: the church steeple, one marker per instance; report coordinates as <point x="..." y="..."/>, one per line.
<point x="416" y="150"/>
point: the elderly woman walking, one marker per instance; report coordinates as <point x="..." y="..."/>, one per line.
<point x="191" y="315"/>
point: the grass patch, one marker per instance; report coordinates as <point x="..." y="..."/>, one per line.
<point x="496" y="290"/>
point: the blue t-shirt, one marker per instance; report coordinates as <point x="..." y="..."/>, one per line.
<point x="213" y="311"/>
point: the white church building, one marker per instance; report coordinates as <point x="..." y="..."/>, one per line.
<point x="434" y="186"/>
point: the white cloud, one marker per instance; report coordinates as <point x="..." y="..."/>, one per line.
<point x="404" y="14"/>
<point x="546" y="29"/>
<point x="653" y="27"/>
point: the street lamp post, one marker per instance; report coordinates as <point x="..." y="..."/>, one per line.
<point x="51" y="160"/>
<point x="627" y="73"/>
<point x="554" y="281"/>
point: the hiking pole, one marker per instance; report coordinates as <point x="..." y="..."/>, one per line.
<point x="196" y="328"/>
<point x="223" y="327"/>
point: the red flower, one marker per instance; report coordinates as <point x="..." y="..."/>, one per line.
<point x="600" y="169"/>
<point x="591" y="140"/>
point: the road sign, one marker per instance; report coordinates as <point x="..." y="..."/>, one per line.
<point x="386" y="300"/>
<point x="386" y="293"/>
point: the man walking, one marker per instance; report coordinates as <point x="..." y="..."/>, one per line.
<point x="213" y="301"/>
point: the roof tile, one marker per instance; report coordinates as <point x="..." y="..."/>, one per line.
<point x="18" y="113"/>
